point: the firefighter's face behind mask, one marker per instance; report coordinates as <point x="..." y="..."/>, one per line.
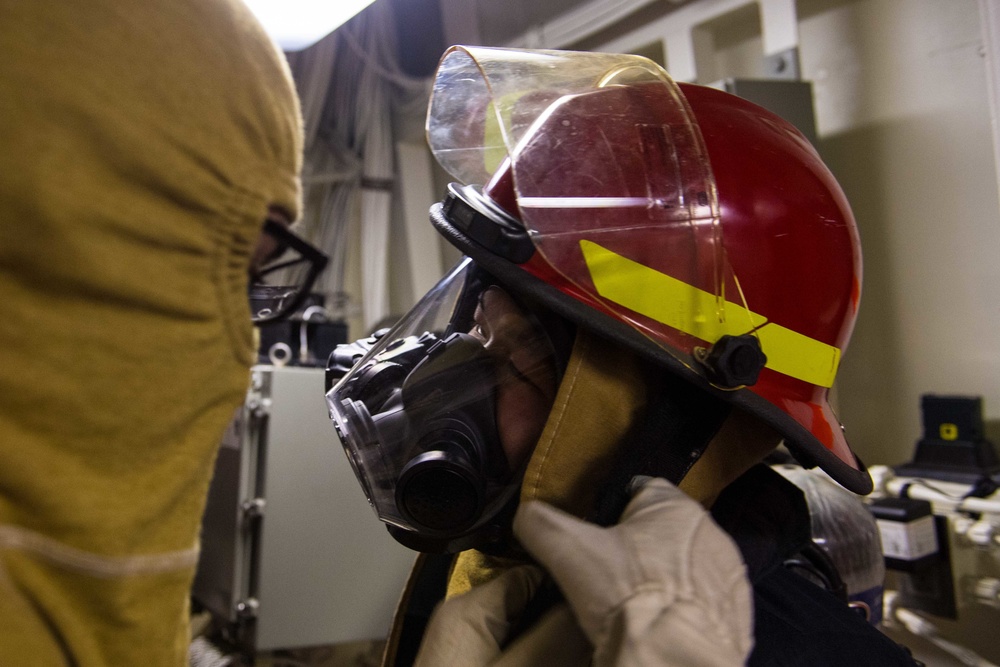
<point x="439" y="418"/>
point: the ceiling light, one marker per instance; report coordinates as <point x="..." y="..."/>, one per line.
<point x="296" y="24"/>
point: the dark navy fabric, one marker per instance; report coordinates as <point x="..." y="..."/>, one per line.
<point x="796" y="622"/>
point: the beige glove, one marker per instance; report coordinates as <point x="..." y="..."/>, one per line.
<point x="666" y="586"/>
<point x="472" y="629"/>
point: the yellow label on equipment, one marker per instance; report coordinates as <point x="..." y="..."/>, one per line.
<point x="948" y="431"/>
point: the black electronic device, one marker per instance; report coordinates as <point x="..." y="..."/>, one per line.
<point x="954" y="447"/>
<point x="306" y="338"/>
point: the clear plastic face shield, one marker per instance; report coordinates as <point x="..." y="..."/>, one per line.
<point x="439" y="418"/>
<point x="611" y="180"/>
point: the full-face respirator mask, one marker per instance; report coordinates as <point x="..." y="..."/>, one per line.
<point x="433" y="415"/>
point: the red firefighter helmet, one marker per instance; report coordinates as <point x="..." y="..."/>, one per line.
<point x="700" y="230"/>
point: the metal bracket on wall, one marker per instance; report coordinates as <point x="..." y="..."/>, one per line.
<point x="687" y="44"/>
<point x="246" y="610"/>
<point x="252" y="510"/>
<point x="783" y="65"/>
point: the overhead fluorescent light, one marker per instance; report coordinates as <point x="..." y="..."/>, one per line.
<point x="296" y="24"/>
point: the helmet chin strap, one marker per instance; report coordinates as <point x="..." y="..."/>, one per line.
<point x="667" y="441"/>
<point x="742" y="442"/>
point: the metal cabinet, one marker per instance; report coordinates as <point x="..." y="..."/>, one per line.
<point x="292" y="554"/>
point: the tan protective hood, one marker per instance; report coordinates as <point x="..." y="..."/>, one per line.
<point x="142" y="144"/>
<point x="600" y="397"/>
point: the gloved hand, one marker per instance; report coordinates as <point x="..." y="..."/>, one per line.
<point x="666" y="586"/>
<point x="472" y="629"/>
<point x="663" y="587"/>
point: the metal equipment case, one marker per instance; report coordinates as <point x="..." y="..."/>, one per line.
<point x="292" y="554"/>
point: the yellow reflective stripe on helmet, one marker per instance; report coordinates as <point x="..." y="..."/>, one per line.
<point x="495" y="148"/>
<point x="495" y="130"/>
<point x="696" y="312"/>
